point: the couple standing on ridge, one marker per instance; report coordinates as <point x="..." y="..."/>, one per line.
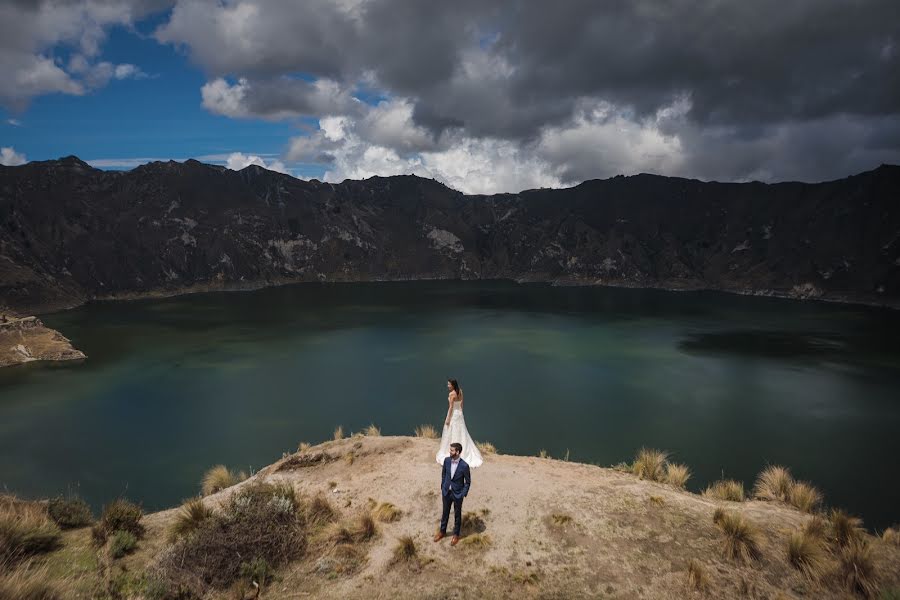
<point x="457" y="455"/>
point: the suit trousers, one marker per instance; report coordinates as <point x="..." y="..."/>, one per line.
<point x="457" y="513"/>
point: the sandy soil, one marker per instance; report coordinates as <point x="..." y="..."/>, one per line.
<point x="627" y="538"/>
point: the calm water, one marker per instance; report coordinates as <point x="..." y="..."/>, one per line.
<point x="726" y="383"/>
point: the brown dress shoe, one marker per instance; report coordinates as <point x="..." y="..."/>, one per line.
<point x="439" y="536"/>
<point x="454" y="540"/>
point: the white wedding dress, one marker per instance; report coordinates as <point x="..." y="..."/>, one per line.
<point x="456" y="432"/>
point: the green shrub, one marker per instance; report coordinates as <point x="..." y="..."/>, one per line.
<point x="122" y="543"/>
<point x="122" y="515"/>
<point x="70" y="513"/>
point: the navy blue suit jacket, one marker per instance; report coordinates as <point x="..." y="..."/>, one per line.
<point x="458" y="486"/>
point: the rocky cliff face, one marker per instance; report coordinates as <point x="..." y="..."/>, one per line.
<point x="70" y="233"/>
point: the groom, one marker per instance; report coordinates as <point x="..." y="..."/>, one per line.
<point x="455" y="482"/>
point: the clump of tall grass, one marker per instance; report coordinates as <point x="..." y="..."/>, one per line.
<point x="219" y="478"/>
<point x="856" y="568"/>
<point x="741" y="541"/>
<point x="774" y="483"/>
<point x="191" y="516"/>
<point x="486" y="448"/>
<point x="697" y="578"/>
<point x="122" y="515"/>
<point x="303" y="446"/>
<point x="650" y="464"/>
<point x="373" y="431"/>
<point x="804" y="497"/>
<point x="320" y="511"/>
<point x="25" y="530"/>
<point x="386" y="513"/>
<point x="543" y="453"/>
<point x="29" y="584"/>
<point x="677" y="474"/>
<point x="806" y="553"/>
<point x="726" y="489"/>
<point x="844" y="528"/>
<point x="891" y="535"/>
<point x="405" y="552"/>
<point x="338" y="433"/>
<point x="70" y="513"/>
<point x="364" y="529"/>
<point x="478" y="541"/>
<point x="426" y="431"/>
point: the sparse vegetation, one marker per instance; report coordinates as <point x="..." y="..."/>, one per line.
<point x="426" y="431"/>
<point x="373" y="431"/>
<point x="304" y="446"/>
<point x="844" y="528"/>
<point x="697" y="577"/>
<point x="122" y="543"/>
<point x="560" y="519"/>
<point x="740" y="542"/>
<point x="70" y="513"/>
<point x="29" y="584"/>
<point x="856" y="568"/>
<point x="219" y="478"/>
<point x="190" y="517"/>
<point x="543" y="454"/>
<point x="774" y="483"/>
<point x="338" y="433"/>
<point x="726" y="489"/>
<point x="476" y="540"/>
<point x="650" y="464"/>
<point x="804" y="497"/>
<point x="386" y="513"/>
<point x="677" y="475"/>
<point x="806" y="553"/>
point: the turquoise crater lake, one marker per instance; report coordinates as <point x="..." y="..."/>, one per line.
<point x="726" y="383"/>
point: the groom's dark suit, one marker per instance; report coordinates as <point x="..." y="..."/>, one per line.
<point x="453" y="490"/>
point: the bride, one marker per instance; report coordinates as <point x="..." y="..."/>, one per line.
<point x="455" y="429"/>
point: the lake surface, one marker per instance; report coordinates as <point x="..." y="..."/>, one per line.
<point x="726" y="383"/>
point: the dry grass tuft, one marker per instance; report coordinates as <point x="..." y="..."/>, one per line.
<point x="486" y="448"/>
<point x="543" y="454"/>
<point x="804" y="497"/>
<point x="26" y="583"/>
<point x="217" y="479"/>
<point x="190" y="517"/>
<point x="741" y="542"/>
<point x="349" y="458"/>
<point x="816" y="527"/>
<point x="386" y="513"/>
<point x="891" y="535"/>
<point x="372" y="431"/>
<point x="650" y="464"/>
<point x="774" y="483"/>
<point x="118" y="515"/>
<point x="26" y="530"/>
<point x="856" y="568"/>
<point x="677" y="475"/>
<point x="364" y="529"/>
<point x="338" y="433"/>
<point x="320" y="511"/>
<point x="426" y="431"/>
<point x="718" y="515"/>
<point x="844" y="527"/>
<point x="697" y="577"/>
<point x="560" y="519"/>
<point x="479" y="541"/>
<point x="304" y="446"/>
<point x="472" y="523"/>
<point x="806" y="553"/>
<point x="726" y="489"/>
<point x="70" y="513"/>
<point x="405" y="551"/>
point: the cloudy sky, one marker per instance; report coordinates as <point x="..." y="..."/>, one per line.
<point x="484" y="96"/>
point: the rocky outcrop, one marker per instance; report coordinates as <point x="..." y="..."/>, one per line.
<point x="27" y="339"/>
<point x="70" y="233"/>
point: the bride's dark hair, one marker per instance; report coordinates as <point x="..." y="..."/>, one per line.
<point x="455" y="385"/>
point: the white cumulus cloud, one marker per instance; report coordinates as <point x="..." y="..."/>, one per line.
<point x="237" y="161"/>
<point x="10" y="158"/>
